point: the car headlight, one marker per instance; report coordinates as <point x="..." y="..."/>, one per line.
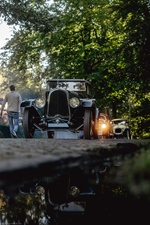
<point x="74" y="191"/>
<point x="39" y="102"/>
<point x="103" y="125"/>
<point x="74" y="102"/>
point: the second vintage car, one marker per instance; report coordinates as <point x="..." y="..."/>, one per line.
<point x="120" y="128"/>
<point x="69" y="111"/>
<point x="103" y="126"/>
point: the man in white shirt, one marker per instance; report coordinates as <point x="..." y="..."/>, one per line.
<point x="13" y="100"/>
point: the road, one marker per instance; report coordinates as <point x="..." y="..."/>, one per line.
<point x="17" y="156"/>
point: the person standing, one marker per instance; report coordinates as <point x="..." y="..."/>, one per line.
<point x="13" y="99"/>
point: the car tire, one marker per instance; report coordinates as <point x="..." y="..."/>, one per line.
<point x="128" y="134"/>
<point x="87" y="124"/>
<point x="50" y="134"/>
<point x="28" y="127"/>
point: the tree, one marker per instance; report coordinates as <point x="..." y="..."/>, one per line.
<point x="105" y="42"/>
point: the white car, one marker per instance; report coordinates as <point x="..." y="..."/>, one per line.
<point x="120" y="128"/>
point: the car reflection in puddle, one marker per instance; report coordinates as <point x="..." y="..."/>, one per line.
<point x="65" y="197"/>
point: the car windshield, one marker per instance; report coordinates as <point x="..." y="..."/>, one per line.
<point x="68" y="85"/>
<point x="120" y="122"/>
<point x="102" y="118"/>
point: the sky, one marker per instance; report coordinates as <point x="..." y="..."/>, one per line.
<point x="5" y="32"/>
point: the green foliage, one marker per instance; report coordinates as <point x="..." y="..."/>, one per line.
<point x="106" y="42"/>
<point x="134" y="174"/>
<point x="4" y="131"/>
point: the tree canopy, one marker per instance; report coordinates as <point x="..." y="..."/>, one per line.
<point x="106" y="42"/>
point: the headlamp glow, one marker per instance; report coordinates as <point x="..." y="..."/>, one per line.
<point x="103" y="125"/>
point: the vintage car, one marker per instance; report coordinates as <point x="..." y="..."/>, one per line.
<point x="120" y="128"/>
<point x="68" y="110"/>
<point x="103" y="126"/>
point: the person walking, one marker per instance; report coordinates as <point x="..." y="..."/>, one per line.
<point x="13" y="99"/>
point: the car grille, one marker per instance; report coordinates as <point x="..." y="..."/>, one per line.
<point x="118" y="130"/>
<point x="58" y="104"/>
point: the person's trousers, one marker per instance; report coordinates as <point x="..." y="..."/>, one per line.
<point x="13" y="119"/>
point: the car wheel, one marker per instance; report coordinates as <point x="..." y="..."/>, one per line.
<point x="50" y="134"/>
<point x="95" y="132"/>
<point x="128" y="135"/>
<point x="88" y="124"/>
<point x="28" y="126"/>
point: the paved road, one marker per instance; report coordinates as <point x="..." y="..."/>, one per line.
<point x="21" y="148"/>
<point x="22" y="155"/>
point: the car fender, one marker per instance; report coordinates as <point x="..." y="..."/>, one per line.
<point x="27" y="103"/>
<point x="96" y="113"/>
<point x="87" y="103"/>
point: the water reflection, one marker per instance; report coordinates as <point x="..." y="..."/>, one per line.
<point x="24" y="209"/>
<point x="64" y="198"/>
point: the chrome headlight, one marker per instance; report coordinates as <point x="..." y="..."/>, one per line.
<point x="39" y="102"/>
<point x="74" y="191"/>
<point x="74" y="102"/>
